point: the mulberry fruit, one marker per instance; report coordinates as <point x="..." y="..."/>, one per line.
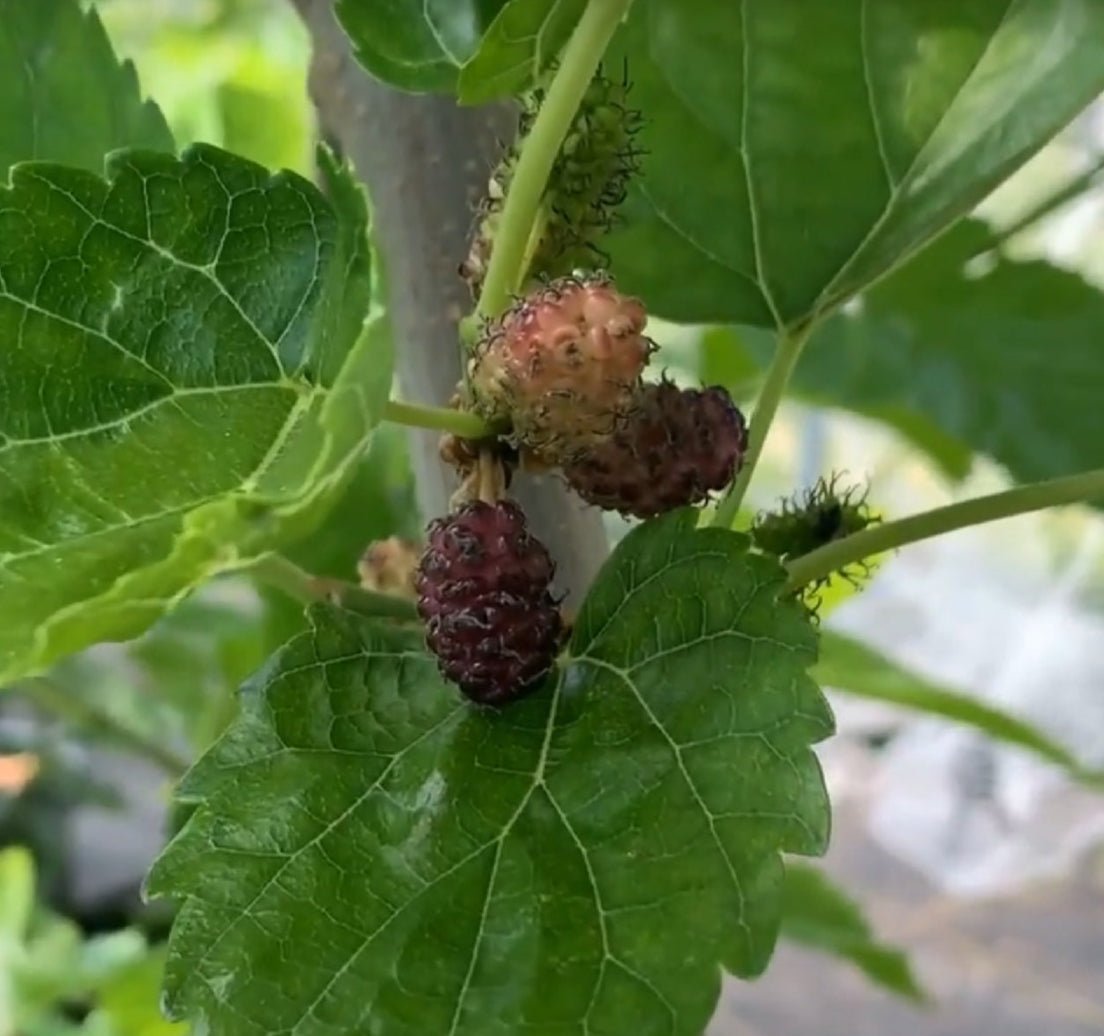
<point x="388" y="567"/>
<point x="483" y="588"/>
<point x="677" y="447"/>
<point x="562" y="366"/>
<point x="587" y="183"/>
<point x="810" y="520"/>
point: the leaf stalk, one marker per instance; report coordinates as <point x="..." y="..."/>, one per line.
<point x="283" y="574"/>
<point x="461" y="422"/>
<point x="787" y="353"/>
<point x="1036" y="496"/>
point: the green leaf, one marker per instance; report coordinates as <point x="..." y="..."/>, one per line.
<point x="188" y="381"/>
<point x="17" y="893"/>
<point x="379" y="502"/>
<point x="417" y="45"/>
<point x="388" y="858"/>
<point x="849" y="665"/>
<point x="64" y="96"/>
<point x="869" y="384"/>
<point x="1005" y="358"/>
<point x="129" y="1004"/>
<point x="519" y="46"/>
<point x="825" y="142"/>
<point x="820" y="915"/>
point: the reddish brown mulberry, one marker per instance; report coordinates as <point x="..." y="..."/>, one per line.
<point x="677" y="447"/>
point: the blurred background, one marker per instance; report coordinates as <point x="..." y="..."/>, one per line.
<point x="977" y="858"/>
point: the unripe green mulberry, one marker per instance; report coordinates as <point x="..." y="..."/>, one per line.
<point x="807" y="521"/>
<point x="587" y="183"/>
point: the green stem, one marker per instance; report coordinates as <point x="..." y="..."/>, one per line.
<point x="285" y="575"/>
<point x="83" y="713"/>
<point x="578" y="63"/>
<point x="770" y="396"/>
<point x="832" y="557"/>
<point x="462" y="422"/>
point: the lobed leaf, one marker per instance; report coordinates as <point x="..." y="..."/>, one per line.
<point x="827" y="141"/>
<point x="963" y="351"/>
<point x="64" y="96"/>
<point x="188" y="380"/>
<point x="416" y="45"/>
<point x="369" y="853"/>
<point x="518" y="47"/>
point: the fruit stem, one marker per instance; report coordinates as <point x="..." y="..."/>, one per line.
<point x="461" y="422"/>
<point x="285" y="575"/>
<point x="782" y="366"/>
<point x="578" y="63"/>
<point x="490" y="479"/>
<point x="832" y="557"/>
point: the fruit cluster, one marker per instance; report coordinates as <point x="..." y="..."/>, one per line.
<point x="559" y="378"/>
<point x="560" y="373"/>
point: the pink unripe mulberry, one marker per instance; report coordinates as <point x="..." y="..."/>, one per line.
<point x="562" y="365"/>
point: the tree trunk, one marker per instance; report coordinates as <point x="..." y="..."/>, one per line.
<point x="426" y="162"/>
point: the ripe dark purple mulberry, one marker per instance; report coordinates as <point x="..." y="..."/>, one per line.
<point x="676" y="447"/>
<point x="483" y="591"/>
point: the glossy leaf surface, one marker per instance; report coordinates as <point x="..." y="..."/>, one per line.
<point x="520" y="44"/>
<point x="797" y="151"/>
<point x="417" y="45"/>
<point x="186" y="381"/>
<point x="371" y="854"/>
<point x="963" y="351"/>
<point x="64" y="96"/>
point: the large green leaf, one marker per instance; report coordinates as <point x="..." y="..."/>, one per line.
<point x="851" y="666"/>
<point x="371" y="854"/>
<point x="416" y="45"/>
<point x="738" y="357"/>
<point x="187" y="379"/>
<point x="519" y="46"/>
<point x="1006" y="359"/>
<point x="797" y="150"/>
<point x="64" y="96"/>
<point x="822" y="916"/>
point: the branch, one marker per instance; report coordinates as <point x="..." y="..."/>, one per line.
<point x="285" y="575"/>
<point x="426" y="162"/>
<point x="833" y="557"/>
<point x="786" y="355"/>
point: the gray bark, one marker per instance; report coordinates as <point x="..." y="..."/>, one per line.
<point x="426" y="162"/>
